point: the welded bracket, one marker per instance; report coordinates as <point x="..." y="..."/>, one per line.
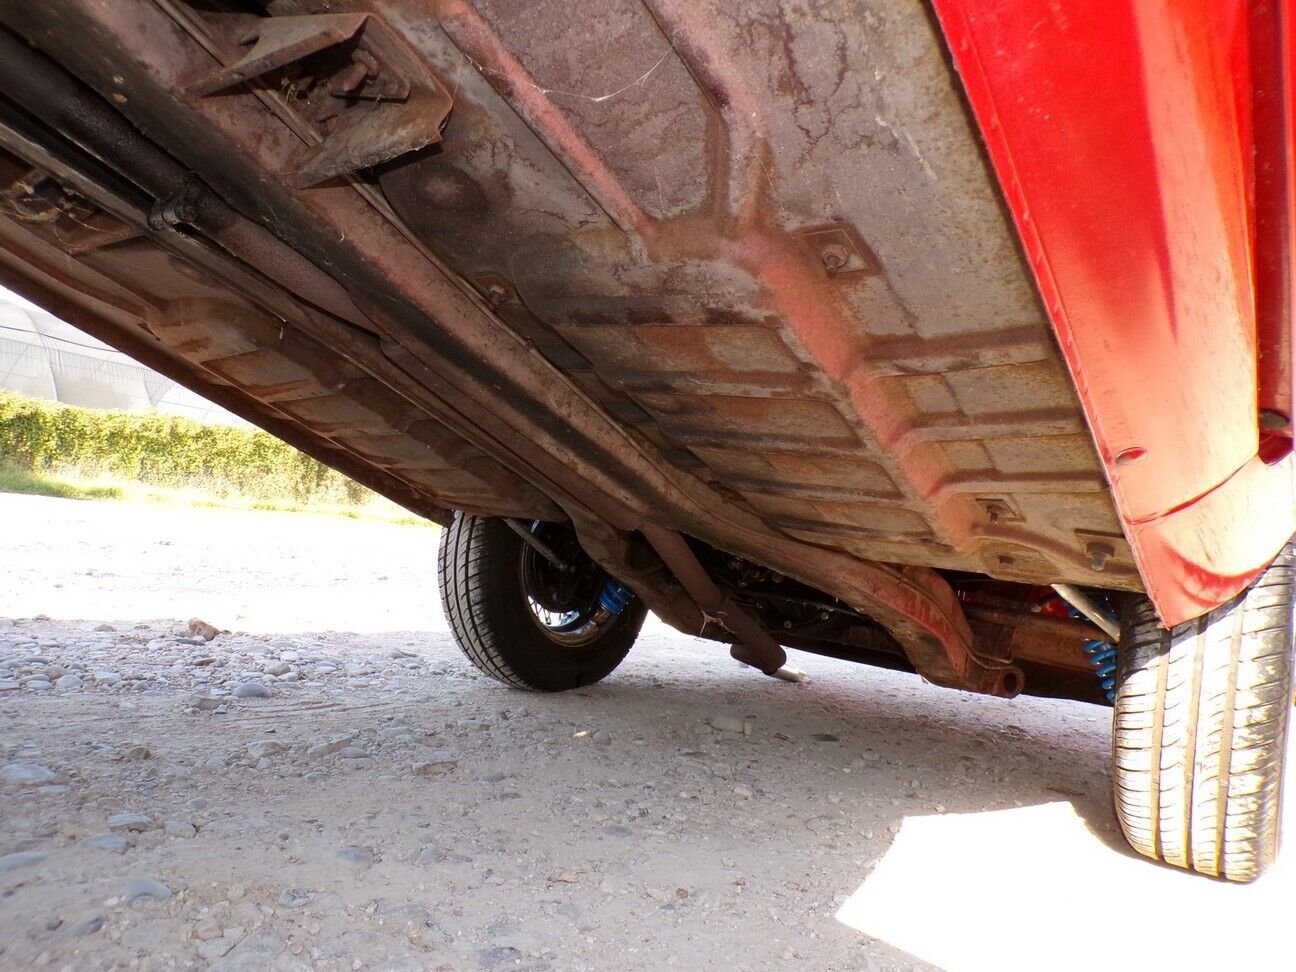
<point x="350" y="79"/>
<point x="276" y="43"/>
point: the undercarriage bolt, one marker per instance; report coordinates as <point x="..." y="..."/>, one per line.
<point x="835" y="257"/>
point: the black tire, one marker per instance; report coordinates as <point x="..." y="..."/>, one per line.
<point x="1200" y="732"/>
<point x="482" y="593"/>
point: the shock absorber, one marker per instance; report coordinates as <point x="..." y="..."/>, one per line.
<point x="1102" y="655"/>
<point x="615" y="596"/>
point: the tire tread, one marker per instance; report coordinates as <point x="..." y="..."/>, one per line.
<point x="1200" y="729"/>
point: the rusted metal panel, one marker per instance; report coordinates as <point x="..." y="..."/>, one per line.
<point x="726" y="267"/>
<point x="927" y="364"/>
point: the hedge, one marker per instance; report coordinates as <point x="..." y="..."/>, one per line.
<point x="165" y="450"/>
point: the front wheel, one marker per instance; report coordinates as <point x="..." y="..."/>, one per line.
<point x="522" y="619"/>
<point x="1201" y="729"/>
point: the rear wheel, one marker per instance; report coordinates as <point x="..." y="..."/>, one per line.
<point x="525" y="621"/>
<point x="1200" y="730"/>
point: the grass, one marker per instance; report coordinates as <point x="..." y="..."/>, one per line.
<point x="44" y="484"/>
<point x="73" y="486"/>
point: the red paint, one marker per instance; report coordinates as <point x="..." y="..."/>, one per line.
<point x="1121" y="132"/>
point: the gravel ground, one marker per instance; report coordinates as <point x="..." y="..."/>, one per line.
<point x="330" y="785"/>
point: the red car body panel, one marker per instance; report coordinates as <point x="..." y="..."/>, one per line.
<point x="1136" y="146"/>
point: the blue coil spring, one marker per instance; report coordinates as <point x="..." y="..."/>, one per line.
<point x="615" y="596"/>
<point x="1102" y="655"/>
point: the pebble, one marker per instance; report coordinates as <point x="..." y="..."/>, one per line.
<point x="742" y="792"/>
<point x="128" y="821"/>
<point x="11" y="862"/>
<point x="440" y="763"/>
<point x="261" y="950"/>
<point x="68" y="681"/>
<point x="330" y="747"/>
<point x="352" y="752"/>
<point x="109" y="842"/>
<point x="251" y="690"/>
<point x="210" y="951"/>
<point x="205" y="703"/>
<point x="147" y="888"/>
<point x="179" y="828"/>
<point x="25" y="774"/>
<point x="727" y="723"/>
<point x="295" y="898"/>
<point x="265" y="747"/>
<point x="202" y="629"/>
<point x="87" y="926"/>
<point x="360" y="856"/>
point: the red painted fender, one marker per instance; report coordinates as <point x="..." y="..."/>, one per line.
<point x="1156" y="224"/>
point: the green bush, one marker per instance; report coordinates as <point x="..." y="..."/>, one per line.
<point x="164" y="450"/>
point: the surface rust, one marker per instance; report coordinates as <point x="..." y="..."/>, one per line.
<point x="742" y="271"/>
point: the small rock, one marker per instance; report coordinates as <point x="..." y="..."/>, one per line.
<point x="205" y="703"/>
<point x="139" y="752"/>
<point x="147" y="888"/>
<point x="206" y="930"/>
<point x="67" y="682"/>
<point x="276" y="668"/>
<point x="352" y="752"/>
<point x="295" y="897"/>
<point x="202" y="629"/>
<point x="742" y="792"/>
<point x="265" y="747"/>
<point x="359" y="856"/>
<point x="216" y="948"/>
<point x="104" y="627"/>
<point x="25" y="774"/>
<point x="726" y="723"/>
<point x="87" y="926"/>
<point x="179" y="828"/>
<point x="441" y="763"/>
<point x="11" y="862"/>
<point x="109" y="842"/>
<point x="128" y="821"/>
<point x="260" y="950"/>
<point x="330" y="747"/>
<point x="602" y="737"/>
<point x="251" y="690"/>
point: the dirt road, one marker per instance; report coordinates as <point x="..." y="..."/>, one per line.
<point x="332" y="786"/>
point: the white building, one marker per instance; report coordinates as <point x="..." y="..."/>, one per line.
<point x="42" y="357"/>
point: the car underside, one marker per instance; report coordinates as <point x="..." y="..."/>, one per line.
<point x="729" y="302"/>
